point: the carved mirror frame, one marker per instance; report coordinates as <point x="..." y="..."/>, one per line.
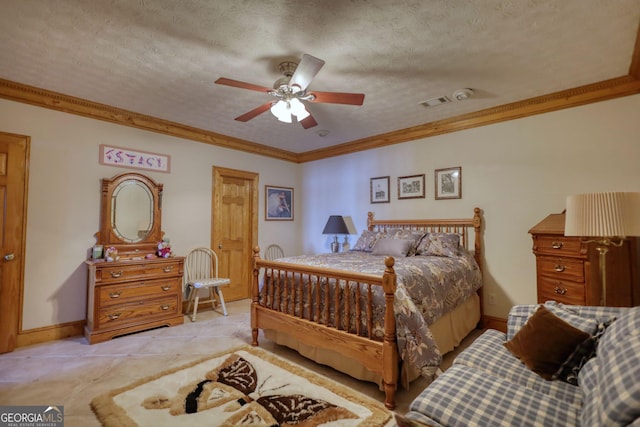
<point x="108" y="236"/>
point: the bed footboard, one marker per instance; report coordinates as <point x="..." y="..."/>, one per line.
<point x="330" y="309"/>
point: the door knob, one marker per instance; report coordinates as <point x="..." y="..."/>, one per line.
<point x="219" y="245"/>
<point x="8" y="257"/>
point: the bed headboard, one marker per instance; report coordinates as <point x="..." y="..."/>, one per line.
<point x="462" y="226"/>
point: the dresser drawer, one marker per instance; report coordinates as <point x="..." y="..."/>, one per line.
<point x="558" y="245"/>
<point x="137" y="310"/>
<point x="561" y="268"/>
<point x="122" y="292"/>
<point x="561" y="290"/>
<point x="123" y="272"/>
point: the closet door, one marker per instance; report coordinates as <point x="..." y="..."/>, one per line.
<point x="14" y="151"/>
<point x="234" y="227"/>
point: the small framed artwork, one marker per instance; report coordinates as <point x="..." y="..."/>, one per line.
<point x="379" y="189"/>
<point x="411" y="187"/>
<point x="449" y="183"/>
<point x="278" y="204"/>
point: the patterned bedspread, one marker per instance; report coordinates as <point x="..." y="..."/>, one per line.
<point x="427" y="288"/>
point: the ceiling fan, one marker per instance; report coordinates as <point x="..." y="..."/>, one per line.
<point x="290" y="90"/>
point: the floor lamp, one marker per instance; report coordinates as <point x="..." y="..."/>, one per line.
<point x="605" y="219"/>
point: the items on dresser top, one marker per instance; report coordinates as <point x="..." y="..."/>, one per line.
<point x="567" y="267"/>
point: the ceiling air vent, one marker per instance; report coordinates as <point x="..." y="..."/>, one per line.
<point x="434" y="102"/>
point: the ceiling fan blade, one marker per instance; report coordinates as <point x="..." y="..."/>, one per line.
<point x="242" y="85"/>
<point x="338" y="98"/>
<point x="308" y="122"/>
<point x="306" y="71"/>
<point x="255" y="112"/>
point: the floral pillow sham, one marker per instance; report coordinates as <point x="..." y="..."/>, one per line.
<point x="439" y="244"/>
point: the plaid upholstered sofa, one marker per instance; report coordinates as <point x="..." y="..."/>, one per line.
<point x="597" y="385"/>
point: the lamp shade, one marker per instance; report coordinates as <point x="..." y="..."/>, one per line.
<point x="282" y="110"/>
<point x="298" y="110"/>
<point x="335" y="225"/>
<point x="603" y="215"/>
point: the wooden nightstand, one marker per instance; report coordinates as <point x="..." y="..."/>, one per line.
<point x="568" y="271"/>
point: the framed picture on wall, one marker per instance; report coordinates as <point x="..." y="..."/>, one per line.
<point x="278" y="204"/>
<point x="448" y="183"/>
<point x="411" y="187"/>
<point x="379" y="189"/>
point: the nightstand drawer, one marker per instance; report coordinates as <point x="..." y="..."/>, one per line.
<point x="561" y="268"/>
<point x="558" y="245"/>
<point x="561" y="290"/>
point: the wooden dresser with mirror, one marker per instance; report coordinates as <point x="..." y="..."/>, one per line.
<point x="139" y="291"/>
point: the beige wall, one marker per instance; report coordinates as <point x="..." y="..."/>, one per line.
<point x="64" y="200"/>
<point x="518" y="172"/>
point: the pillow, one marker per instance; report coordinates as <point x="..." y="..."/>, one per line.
<point x="392" y="247"/>
<point x="366" y="241"/>
<point x="545" y="342"/>
<point x="584" y="352"/>
<point x="398" y="233"/>
<point x="439" y="244"/>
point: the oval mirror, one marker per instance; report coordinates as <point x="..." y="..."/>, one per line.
<point x="132" y="211"/>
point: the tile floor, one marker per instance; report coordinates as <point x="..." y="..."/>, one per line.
<point x="70" y="372"/>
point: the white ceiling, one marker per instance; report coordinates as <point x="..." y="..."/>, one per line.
<point x="161" y="57"/>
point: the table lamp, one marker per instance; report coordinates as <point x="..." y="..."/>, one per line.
<point x="335" y="225"/>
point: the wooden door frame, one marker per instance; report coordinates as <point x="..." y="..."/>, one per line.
<point x="12" y="296"/>
<point x="216" y="201"/>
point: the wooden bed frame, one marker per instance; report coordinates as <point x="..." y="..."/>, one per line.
<point x="307" y="325"/>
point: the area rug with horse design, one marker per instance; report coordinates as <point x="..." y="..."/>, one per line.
<point x="246" y="386"/>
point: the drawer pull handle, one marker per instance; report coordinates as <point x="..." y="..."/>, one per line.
<point x="116" y="274"/>
<point x="114" y="316"/>
<point x="560" y="291"/>
<point x="166" y="288"/>
<point x="167" y="269"/>
<point x="559" y="267"/>
<point x="115" y="294"/>
<point x="165" y="307"/>
<point x="556" y="245"/>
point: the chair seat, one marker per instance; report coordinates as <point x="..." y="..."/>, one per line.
<point x="210" y="282"/>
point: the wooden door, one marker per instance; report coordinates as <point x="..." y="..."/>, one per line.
<point x="234" y="228"/>
<point x="14" y="150"/>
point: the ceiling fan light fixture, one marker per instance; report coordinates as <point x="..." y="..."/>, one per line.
<point x="298" y="110"/>
<point x="282" y="111"/>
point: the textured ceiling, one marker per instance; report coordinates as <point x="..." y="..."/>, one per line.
<point x="161" y="57"/>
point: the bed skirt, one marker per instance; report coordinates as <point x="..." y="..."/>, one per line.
<point x="448" y="331"/>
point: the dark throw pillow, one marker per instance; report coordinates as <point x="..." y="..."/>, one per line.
<point x="586" y="350"/>
<point x="545" y="342"/>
